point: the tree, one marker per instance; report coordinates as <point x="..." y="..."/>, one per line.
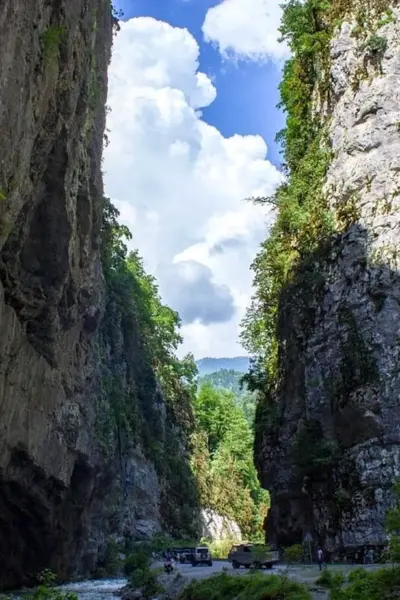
<point x="223" y="464"/>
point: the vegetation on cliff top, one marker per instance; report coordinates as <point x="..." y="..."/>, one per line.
<point x="288" y="261"/>
<point x="303" y="221"/>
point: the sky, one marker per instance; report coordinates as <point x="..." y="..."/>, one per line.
<point x="193" y="89"/>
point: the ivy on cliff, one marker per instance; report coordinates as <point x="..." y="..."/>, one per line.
<point x="303" y="220"/>
<point x="134" y="306"/>
<point x="288" y="263"/>
<point x="137" y="296"/>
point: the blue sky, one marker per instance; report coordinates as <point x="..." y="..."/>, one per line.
<point x="193" y="89"/>
<point x="247" y="92"/>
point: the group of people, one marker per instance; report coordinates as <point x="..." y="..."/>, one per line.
<point x="367" y="557"/>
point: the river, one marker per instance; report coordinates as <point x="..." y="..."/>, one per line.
<point x="95" y="589"/>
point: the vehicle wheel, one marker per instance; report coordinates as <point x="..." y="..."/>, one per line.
<point x="210" y="563"/>
<point x="257" y="565"/>
<point x="269" y="565"/>
<point x="194" y="563"/>
<point x="235" y="564"/>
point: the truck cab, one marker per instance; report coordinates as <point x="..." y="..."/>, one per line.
<point x="253" y="556"/>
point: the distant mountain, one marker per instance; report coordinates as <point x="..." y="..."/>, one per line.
<point x="212" y="365"/>
<point x="226" y="379"/>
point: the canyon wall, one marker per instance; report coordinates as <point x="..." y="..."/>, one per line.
<point x="329" y="450"/>
<point x="71" y="476"/>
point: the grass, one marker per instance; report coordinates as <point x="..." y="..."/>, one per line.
<point x="51" y="40"/>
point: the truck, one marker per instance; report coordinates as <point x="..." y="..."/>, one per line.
<point x="254" y="556"/>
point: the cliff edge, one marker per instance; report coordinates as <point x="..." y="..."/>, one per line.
<point x="73" y="471"/>
<point x="325" y="319"/>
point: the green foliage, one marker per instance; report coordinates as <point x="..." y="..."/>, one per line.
<point x="294" y="554"/>
<point x="140" y="575"/>
<point x="112" y="562"/>
<point x="331" y="580"/>
<point x="387" y="18"/>
<point x="312" y="454"/>
<point x="227" y="379"/>
<point x="51" y="40"/>
<point x="289" y="262"/>
<point x="393" y="526"/>
<point x="129" y="385"/>
<point x="376" y="45"/>
<point x="146" y="581"/>
<point x="249" y="587"/>
<point x="47" y="590"/>
<point x="223" y="460"/>
<point x="219" y="548"/>
<point x="139" y="560"/>
<point x="367" y="585"/>
<point x="303" y="224"/>
<point x="231" y="380"/>
<point x="138" y="299"/>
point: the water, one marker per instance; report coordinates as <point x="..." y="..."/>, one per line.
<point x="95" y="589"/>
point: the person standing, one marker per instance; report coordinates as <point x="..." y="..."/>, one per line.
<point x="320" y="558"/>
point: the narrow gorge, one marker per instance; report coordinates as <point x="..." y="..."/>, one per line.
<point x="325" y="318"/>
<point x="106" y="436"/>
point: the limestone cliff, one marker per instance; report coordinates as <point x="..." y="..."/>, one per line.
<point x="328" y="443"/>
<point x="68" y="479"/>
<point x="216" y="527"/>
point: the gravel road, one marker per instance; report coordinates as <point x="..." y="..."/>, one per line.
<point x="201" y="572"/>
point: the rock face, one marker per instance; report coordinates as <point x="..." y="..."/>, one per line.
<point x="66" y="483"/>
<point x="333" y="452"/>
<point x="216" y="527"/>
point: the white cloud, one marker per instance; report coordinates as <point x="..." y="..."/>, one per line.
<point x="246" y="29"/>
<point x="179" y="184"/>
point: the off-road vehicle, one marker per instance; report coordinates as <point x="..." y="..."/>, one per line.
<point x="202" y="556"/>
<point x="253" y="556"/>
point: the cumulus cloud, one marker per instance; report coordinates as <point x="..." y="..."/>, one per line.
<point x="190" y="288"/>
<point x="246" y="29"/>
<point x="180" y="184"/>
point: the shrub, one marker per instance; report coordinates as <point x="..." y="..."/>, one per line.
<point x="146" y="580"/>
<point x="219" y="548"/>
<point x="325" y="578"/>
<point x="248" y="587"/>
<point x="47" y="589"/>
<point x="294" y="554"/>
<point x="331" y="580"/>
<point x="363" y="585"/>
<point x="377" y="45"/>
<point x="138" y="561"/>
